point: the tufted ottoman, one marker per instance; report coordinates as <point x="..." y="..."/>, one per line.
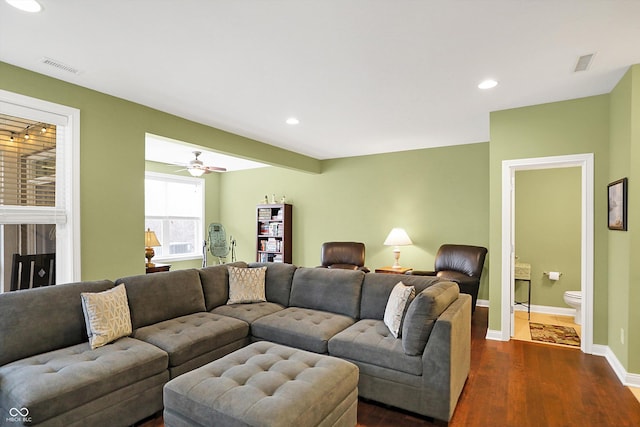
<point x="265" y="384"/>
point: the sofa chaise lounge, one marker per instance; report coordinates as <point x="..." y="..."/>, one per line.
<point x="181" y="321"/>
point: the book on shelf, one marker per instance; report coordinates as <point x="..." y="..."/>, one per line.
<point x="264" y="228"/>
<point x="274" y="229"/>
<point x="273" y="245"/>
<point x="264" y="214"/>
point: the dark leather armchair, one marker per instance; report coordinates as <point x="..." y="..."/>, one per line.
<point x="461" y="264"/>
<point x="346" y="255"/>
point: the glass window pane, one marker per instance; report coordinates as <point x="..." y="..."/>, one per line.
<point x="182" y="236"/>
<point x="27" y="162"/>
<point x="155" y="199"/>
<point x="26" y="239"/>
<point x="185" y="199"/>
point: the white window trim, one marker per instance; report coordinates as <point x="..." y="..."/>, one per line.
<point x="187" y="179"/>
<point x="68" y="251"/>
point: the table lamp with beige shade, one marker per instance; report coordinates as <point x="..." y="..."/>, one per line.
<point x="150" y="240"/>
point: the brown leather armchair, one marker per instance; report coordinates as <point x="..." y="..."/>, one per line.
<point x="346" y="255"/>
<point x="461" y="264"/>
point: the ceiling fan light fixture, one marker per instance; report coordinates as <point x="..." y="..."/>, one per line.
<point x="196" y="167"/>
<point x="195" y="171"/>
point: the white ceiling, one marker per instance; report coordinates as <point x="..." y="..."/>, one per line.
<point x="362" y="76"/>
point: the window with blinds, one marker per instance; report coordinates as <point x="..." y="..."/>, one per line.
<point x="39" y="184"/>
<point x="27" y="162"/>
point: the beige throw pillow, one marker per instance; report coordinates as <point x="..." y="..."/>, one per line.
<point x="396" y="307"/>
<point x="246" y="285"/>
<point x="106" y="315"/>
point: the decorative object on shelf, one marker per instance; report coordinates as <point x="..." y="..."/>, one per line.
<point x="266" y="200"/>
<point x="283" y="199"/>
<point x="273" y="199"/>
<point x="150" y="240"/>
<point x="397" y="237"/>
<point x="617" y="196"/>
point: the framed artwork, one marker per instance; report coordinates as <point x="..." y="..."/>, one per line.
<point x="617" y="197"/>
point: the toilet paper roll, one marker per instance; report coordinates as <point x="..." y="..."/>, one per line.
<point x="554" y="275"/>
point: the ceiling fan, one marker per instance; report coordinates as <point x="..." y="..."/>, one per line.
<point x="197" y="168"/>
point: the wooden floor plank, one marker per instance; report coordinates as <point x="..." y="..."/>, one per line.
<point x="521" y="384"/>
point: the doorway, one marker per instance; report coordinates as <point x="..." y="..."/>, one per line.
<point x="509" y="168"/>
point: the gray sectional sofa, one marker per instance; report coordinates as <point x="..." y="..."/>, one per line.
<point x="181" y="321"/>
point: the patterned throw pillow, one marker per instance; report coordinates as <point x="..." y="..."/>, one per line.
<point x="396" y="307"/>
<point x="246" y="285"/>
<point x="106" y="315"/>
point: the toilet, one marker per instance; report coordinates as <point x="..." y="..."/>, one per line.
<point x="574" y="299"/>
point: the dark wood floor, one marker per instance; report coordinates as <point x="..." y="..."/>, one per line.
<point x="522" y="384"/>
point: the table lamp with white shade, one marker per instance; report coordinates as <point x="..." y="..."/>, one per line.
<point x="397" y="237"/>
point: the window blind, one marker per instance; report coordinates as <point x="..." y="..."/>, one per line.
<point x="28" y="153"/>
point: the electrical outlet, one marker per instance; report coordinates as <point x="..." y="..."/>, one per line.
<point x="621" y="335"/>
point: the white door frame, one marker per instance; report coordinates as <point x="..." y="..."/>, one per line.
<point x="509" y="168"/>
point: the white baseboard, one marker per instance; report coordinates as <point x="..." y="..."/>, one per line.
<point x="631" y="380"/>
<point x="495" y="335"/>
<point x="545" y="309"/>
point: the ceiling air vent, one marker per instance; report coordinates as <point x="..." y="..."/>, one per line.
<point x="583" y="62"/>
<point x="59" y="65"/>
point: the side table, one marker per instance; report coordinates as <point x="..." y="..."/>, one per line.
<point x="157" y="268"/>
<point x="391" y="270"/>
<point x="522" y="273"/>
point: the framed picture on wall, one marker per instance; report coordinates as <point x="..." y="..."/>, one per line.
<point x="617" y="196"/>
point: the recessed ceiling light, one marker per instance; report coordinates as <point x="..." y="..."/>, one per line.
<point x="31" y="6"/>
<point x="292" y="121"/>
<point x="488" y="84"/>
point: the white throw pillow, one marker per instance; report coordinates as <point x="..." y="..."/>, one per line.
<point x="106" y="315"/>
<point x="396" y="307"/>
<point x="246" y="285"/>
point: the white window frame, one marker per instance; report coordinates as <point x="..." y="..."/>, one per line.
<point x="68" y="251"/>
<point x="197" y="254"/>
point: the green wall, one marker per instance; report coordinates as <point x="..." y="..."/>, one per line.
<point x="547" y="232"/>
<point x="570" y="127"/>
<point x="438" y="195"/>
<point x="624" y="247"/>
<point x="112" y="134"/>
